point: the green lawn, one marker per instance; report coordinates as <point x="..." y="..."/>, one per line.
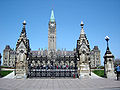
<point x="7" y="67"/>
<point x="99" y="72"/>
<point x="4" y="67"/>
<point x="4" y="73"/>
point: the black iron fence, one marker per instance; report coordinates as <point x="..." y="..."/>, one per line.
<point x="61" y="67"/>
<point x="52" y="73"/>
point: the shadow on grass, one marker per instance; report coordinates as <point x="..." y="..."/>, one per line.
<point x="4" y="73"/>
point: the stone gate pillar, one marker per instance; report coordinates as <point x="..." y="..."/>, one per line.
<point x="22" y="52"/>
<point x="83" y="55"/>
<point x="108" y="62"/>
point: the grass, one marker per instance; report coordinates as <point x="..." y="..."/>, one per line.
<point x="4" y="73"/>
<point x="99" y="72"/>
<point x="4" y="66"/>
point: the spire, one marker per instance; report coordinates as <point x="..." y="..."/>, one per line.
<point x="23" y="37"/>
<point x="82" y="30"/>
<point x="23" y="33"/>
<point x="52" y="18"/>
<point x="83" y="37"/>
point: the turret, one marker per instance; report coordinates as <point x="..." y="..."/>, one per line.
<point x="23" y="38"/>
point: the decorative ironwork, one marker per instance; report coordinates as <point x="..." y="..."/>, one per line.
<point x="47" y="67"/>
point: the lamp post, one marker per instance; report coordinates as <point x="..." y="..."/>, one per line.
<point x="105" y="62"/>
<point x="107" y="39"/>
<point x="0" y="64"/>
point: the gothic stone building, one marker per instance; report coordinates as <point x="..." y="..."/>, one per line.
<point x="95" y="57"/>
<point x="51" y="62"/>
<point x="9" y="56"/>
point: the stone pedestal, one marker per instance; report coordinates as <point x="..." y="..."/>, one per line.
<point x="21" y="70"/>
<point x="21" y="76"/>
<point x="84" y="71"/>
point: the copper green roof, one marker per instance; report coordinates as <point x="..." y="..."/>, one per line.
<point x="52" y="18"/>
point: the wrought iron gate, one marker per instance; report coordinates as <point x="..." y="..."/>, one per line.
<point x="43" y="70"/>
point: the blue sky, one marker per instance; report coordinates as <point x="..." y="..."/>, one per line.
<point x="101" y="18"/>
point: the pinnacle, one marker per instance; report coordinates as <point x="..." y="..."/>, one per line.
<point x="82" y="30"/>
<point x="81" y="22"/>
<point x="24" y="22"/>
<point x="52" y="18"/>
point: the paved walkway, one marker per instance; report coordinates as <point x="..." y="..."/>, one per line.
<point x="93" y="76"/>
<point x="59" y="84"/>
<point x="93" y="83"/>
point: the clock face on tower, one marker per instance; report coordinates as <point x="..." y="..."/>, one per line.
<point x="52" y="25"/>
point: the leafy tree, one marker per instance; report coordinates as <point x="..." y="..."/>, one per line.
<point x="117" y="62"/>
